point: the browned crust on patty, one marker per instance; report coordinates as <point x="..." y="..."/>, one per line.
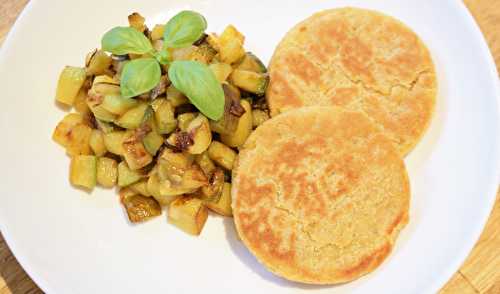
<point x="319" y="195"/>
<point x="361" y="60"/>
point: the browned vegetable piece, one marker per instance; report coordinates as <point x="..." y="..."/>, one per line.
<point x="213" y="190"/>
<point x="222" y="205"/>
<point x="188" y="213"/>
<point x="222" y="155"/>
<point x="232" y="108"/>
<point x="97" y="63"/>
<point x="157" y="32"/>
<point x="136" y="21"/>
<point x="134" y="152"/>
<point x="141" y="208"/>
<point x="205" y="163"/>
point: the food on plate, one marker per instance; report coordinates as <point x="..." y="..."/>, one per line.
<point x="320" y="195"/>
<point x="360" y="60"/>
<point x="161" y="114"/>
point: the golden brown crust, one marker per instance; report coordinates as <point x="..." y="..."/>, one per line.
<point x="361" y="60"/>
<point x="319" y="195"/>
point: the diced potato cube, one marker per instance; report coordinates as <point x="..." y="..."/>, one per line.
<point x="83" y="171"/>
<point x="205" y="163"/>
<point x="97" y="142"/>
<point x="231" y="45"/>
<point x="243" y="130"/>
<point x="117" y="104"/>
<point x="221" y="70"/>
<point x="136" y="21"/>
<point x="153" y="187"/>
<point x="141" y="188"/>
<point x="157" y="32"/>
<point x="140" y="208"/>
<point x="259" y="117"/>
<point x="223" y="205"/>
<point x="133" y="118"/>
<point x="98" y="63"/>
<point x="134" y="152"/>
<point x="62" y="132"/>
<point x="222" y="155"/>
<point x="107" y="172"/>
<point x="164" y="116"/>
<point x="70" y="82"/>
<point x="80" y="103"/>
<point x="188" y="214"/>
<point x="114" y="141"/>
<point x="126" y="176"/>
<point x="79" y="139"/>
<point x="250" y="81"/>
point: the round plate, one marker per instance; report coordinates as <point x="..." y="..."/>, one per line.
<point x="73" y="242"/>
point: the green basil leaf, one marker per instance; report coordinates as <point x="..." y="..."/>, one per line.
<point x="198" y="83"/>
<point x="184" y="29"/>
<point x="124" y="40"/>
<point x="139" y="76"/>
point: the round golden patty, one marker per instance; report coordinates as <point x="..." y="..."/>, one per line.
<point x="360" y="60"/>
<point x="319" y="196"/>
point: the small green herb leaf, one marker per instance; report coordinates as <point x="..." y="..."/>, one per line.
<point x="124" y="40"/>
<point x="199" y="84"/>
<point x="184" y="29"/>
<point x="139" y="76"/>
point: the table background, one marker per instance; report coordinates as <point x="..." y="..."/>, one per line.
<point x="479" y="274"/>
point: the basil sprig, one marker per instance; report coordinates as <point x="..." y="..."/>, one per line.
<point x="192" y="78"/>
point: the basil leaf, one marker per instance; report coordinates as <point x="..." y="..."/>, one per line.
<point x="139" y="76"/>
<point x="124" y="40"/>
<point x="184" y="29"/>
<point x="198" y="83"/>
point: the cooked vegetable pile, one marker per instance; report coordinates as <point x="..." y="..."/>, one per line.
<point x="161" y="113"/>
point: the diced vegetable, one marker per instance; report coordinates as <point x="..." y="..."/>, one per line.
<point x="164" y="115"/>
<point x="229" y="121"/>
<point x="105" y="85"/>
<point x="70" y="82"/>
<point x="63" y="131"/>
<point x="79" y="139"/>
<point x="230" y="45"/>
<point x="107" y="172"/>
<point x="114" y="141"/>
<point x="80" y="102"/>
<point x="250" y="62"/>
<point x="134" y="152"/>
<point x="141" y="188"/>
<point x="102" y="114"/>
<point x="157" y="32"/>
<point x="199" y="134"/>
<point x="223" y="205"/>
<point x="205" y="163"/>
<point x="133" y="117"/>
<point x="140" y="208"/>
<point x="105" y="127"/>
<point x="126" y="176"/>
<point x="97" y="142"/>
<point x="184" y="120"/>
<point x="116" y="104"/>
<point x="250" y="81"/>
<point x="152" y="142"/>
<point x="213" y="40"/>
<point x="203" y="53"/>
<point x="259" y="117"/>
<point x="136" y="21"/>
<point x="222" y="155"/>
<point x="153" y="187"/>
<point x="175" y="97"/>
<point x="243" y="130"/>
<point x="83" y="171"/>
<point x="98" y="63"/>
<point x="221" y="70"/>
<point x="188" y="213"/>
<point x="213" y="190"/>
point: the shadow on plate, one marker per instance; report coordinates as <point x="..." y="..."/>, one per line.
<point x="250" y="261"/>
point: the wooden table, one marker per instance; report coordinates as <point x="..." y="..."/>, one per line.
<point x="479" y="274"/>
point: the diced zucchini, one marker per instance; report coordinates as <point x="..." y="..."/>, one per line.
<point x="188" y="213"/>
<point x="70" y="82"/>
<point x="105" y="85"/>
<point x="164" y="116"/>
<point x="250" y="62"/>
<point x="250" y="81"/>
<point x="136" y="21"/>
<point x="152" y="142"/>
<point x="83" y="171"/>
<point x="98" y="63"/>
<point x="221" y="70"/>
<point x="243" y="130"/>
<point x="133" y="118"/>
<point x="231" y="45"/>
<point x="259" y="117"/>
<point x="229" y="122"/>
<point x="126" y="176"/>
<point x="114" y="140"/>
<point x="107" y="172"/>
<point x="213" y="190"/>
<point x="105" y="127"/>
<point x="157" y="32"/>
<point x="117" y="104"/>
<point x="223" y="205"/>
<point x="134" y="152"/>
<point x="175" y="97"/>
<point x="222" y="155"/>
<point x="140" y="208"/>
<point x="199" y="128"/>
<point x="184" y="120"/>
<point x="79" y="139"/>
<point x="97" y="142"/>
<point x="102" y="114"/>
<point x="153" y="187"/>
<point x="205" y="163"/>
<point x="141" y="188"/>
<point x="62" y="132"/>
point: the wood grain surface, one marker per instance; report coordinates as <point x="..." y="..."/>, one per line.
<point x="479" y="274"/>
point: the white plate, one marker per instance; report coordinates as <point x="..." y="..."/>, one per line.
<point x="72" y="242"/>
